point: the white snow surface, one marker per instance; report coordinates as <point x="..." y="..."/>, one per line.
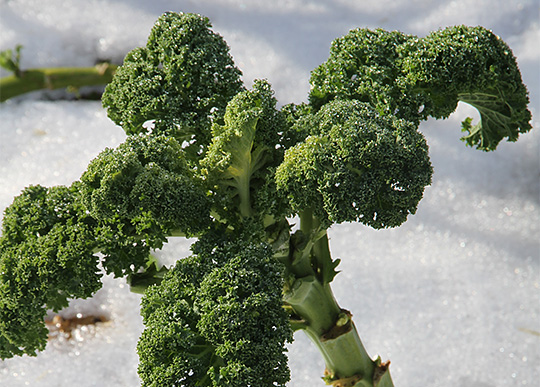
<point x="452" y="297"/>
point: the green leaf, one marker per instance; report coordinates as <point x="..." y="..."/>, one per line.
<point x="497" y="121"/>
<point x="11" y="61"/>
<point x="152" y="274"/>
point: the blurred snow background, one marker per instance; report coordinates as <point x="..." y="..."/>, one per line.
<point x="452" y="298"/>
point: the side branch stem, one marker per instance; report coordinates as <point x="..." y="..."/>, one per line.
<point x="55" y="78"/>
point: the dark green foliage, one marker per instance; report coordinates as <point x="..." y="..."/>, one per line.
<point x="473" y="65"/>
<point x="364" y="65"/>
<point x="181" y="80"/>
<point x="294" y="114"/>
<point x="356" y="166"/>
<point x="416" y="78"/>
<point x="171" y="349"/>
<point x="207" y="158"/>
<point x="140" y="193"/>
<point x="46" y="257"/>
<point x="242" y="314"/>
<point x="217" y="319"/>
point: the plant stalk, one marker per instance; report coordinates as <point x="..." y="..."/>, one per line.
<point x="316" y="311"/>
<point x="55" y="78"/>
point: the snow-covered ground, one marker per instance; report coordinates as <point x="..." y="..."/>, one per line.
<point x="452" y="297"/>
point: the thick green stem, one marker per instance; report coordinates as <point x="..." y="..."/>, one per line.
<point x="307" y="221"/>
<point x="55" y="78"/>
<point x="317" y="312"/>
<point x="244" y="195"/>
<point x="331" y="329"/>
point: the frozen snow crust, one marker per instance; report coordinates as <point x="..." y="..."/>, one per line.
<point x="452" y="297"/>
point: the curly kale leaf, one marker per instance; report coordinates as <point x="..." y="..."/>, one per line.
<point x="356" y="166"/>
<point x="416" y="78"/>
<point x="472" y="65"/>
<point x="46" y="257"/>
<point x="140" y="193"/>
<point x="217" y="319"/>
<point x="364" y="65"/>
<point x="180" y="81"/>
<point x="244" y="151"/>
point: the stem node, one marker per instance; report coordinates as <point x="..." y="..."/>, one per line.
<point x="342" y="326"/>
<point x="343" y="382"/>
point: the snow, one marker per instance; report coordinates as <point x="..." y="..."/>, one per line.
<point x="452" y="297"/>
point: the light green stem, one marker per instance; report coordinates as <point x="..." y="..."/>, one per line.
<point x="244" y="195"/>
<point x="55" y="78"/>
<point x="329" y="327"/>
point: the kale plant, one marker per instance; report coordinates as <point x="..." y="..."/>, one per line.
<point x="208" y="158"/>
